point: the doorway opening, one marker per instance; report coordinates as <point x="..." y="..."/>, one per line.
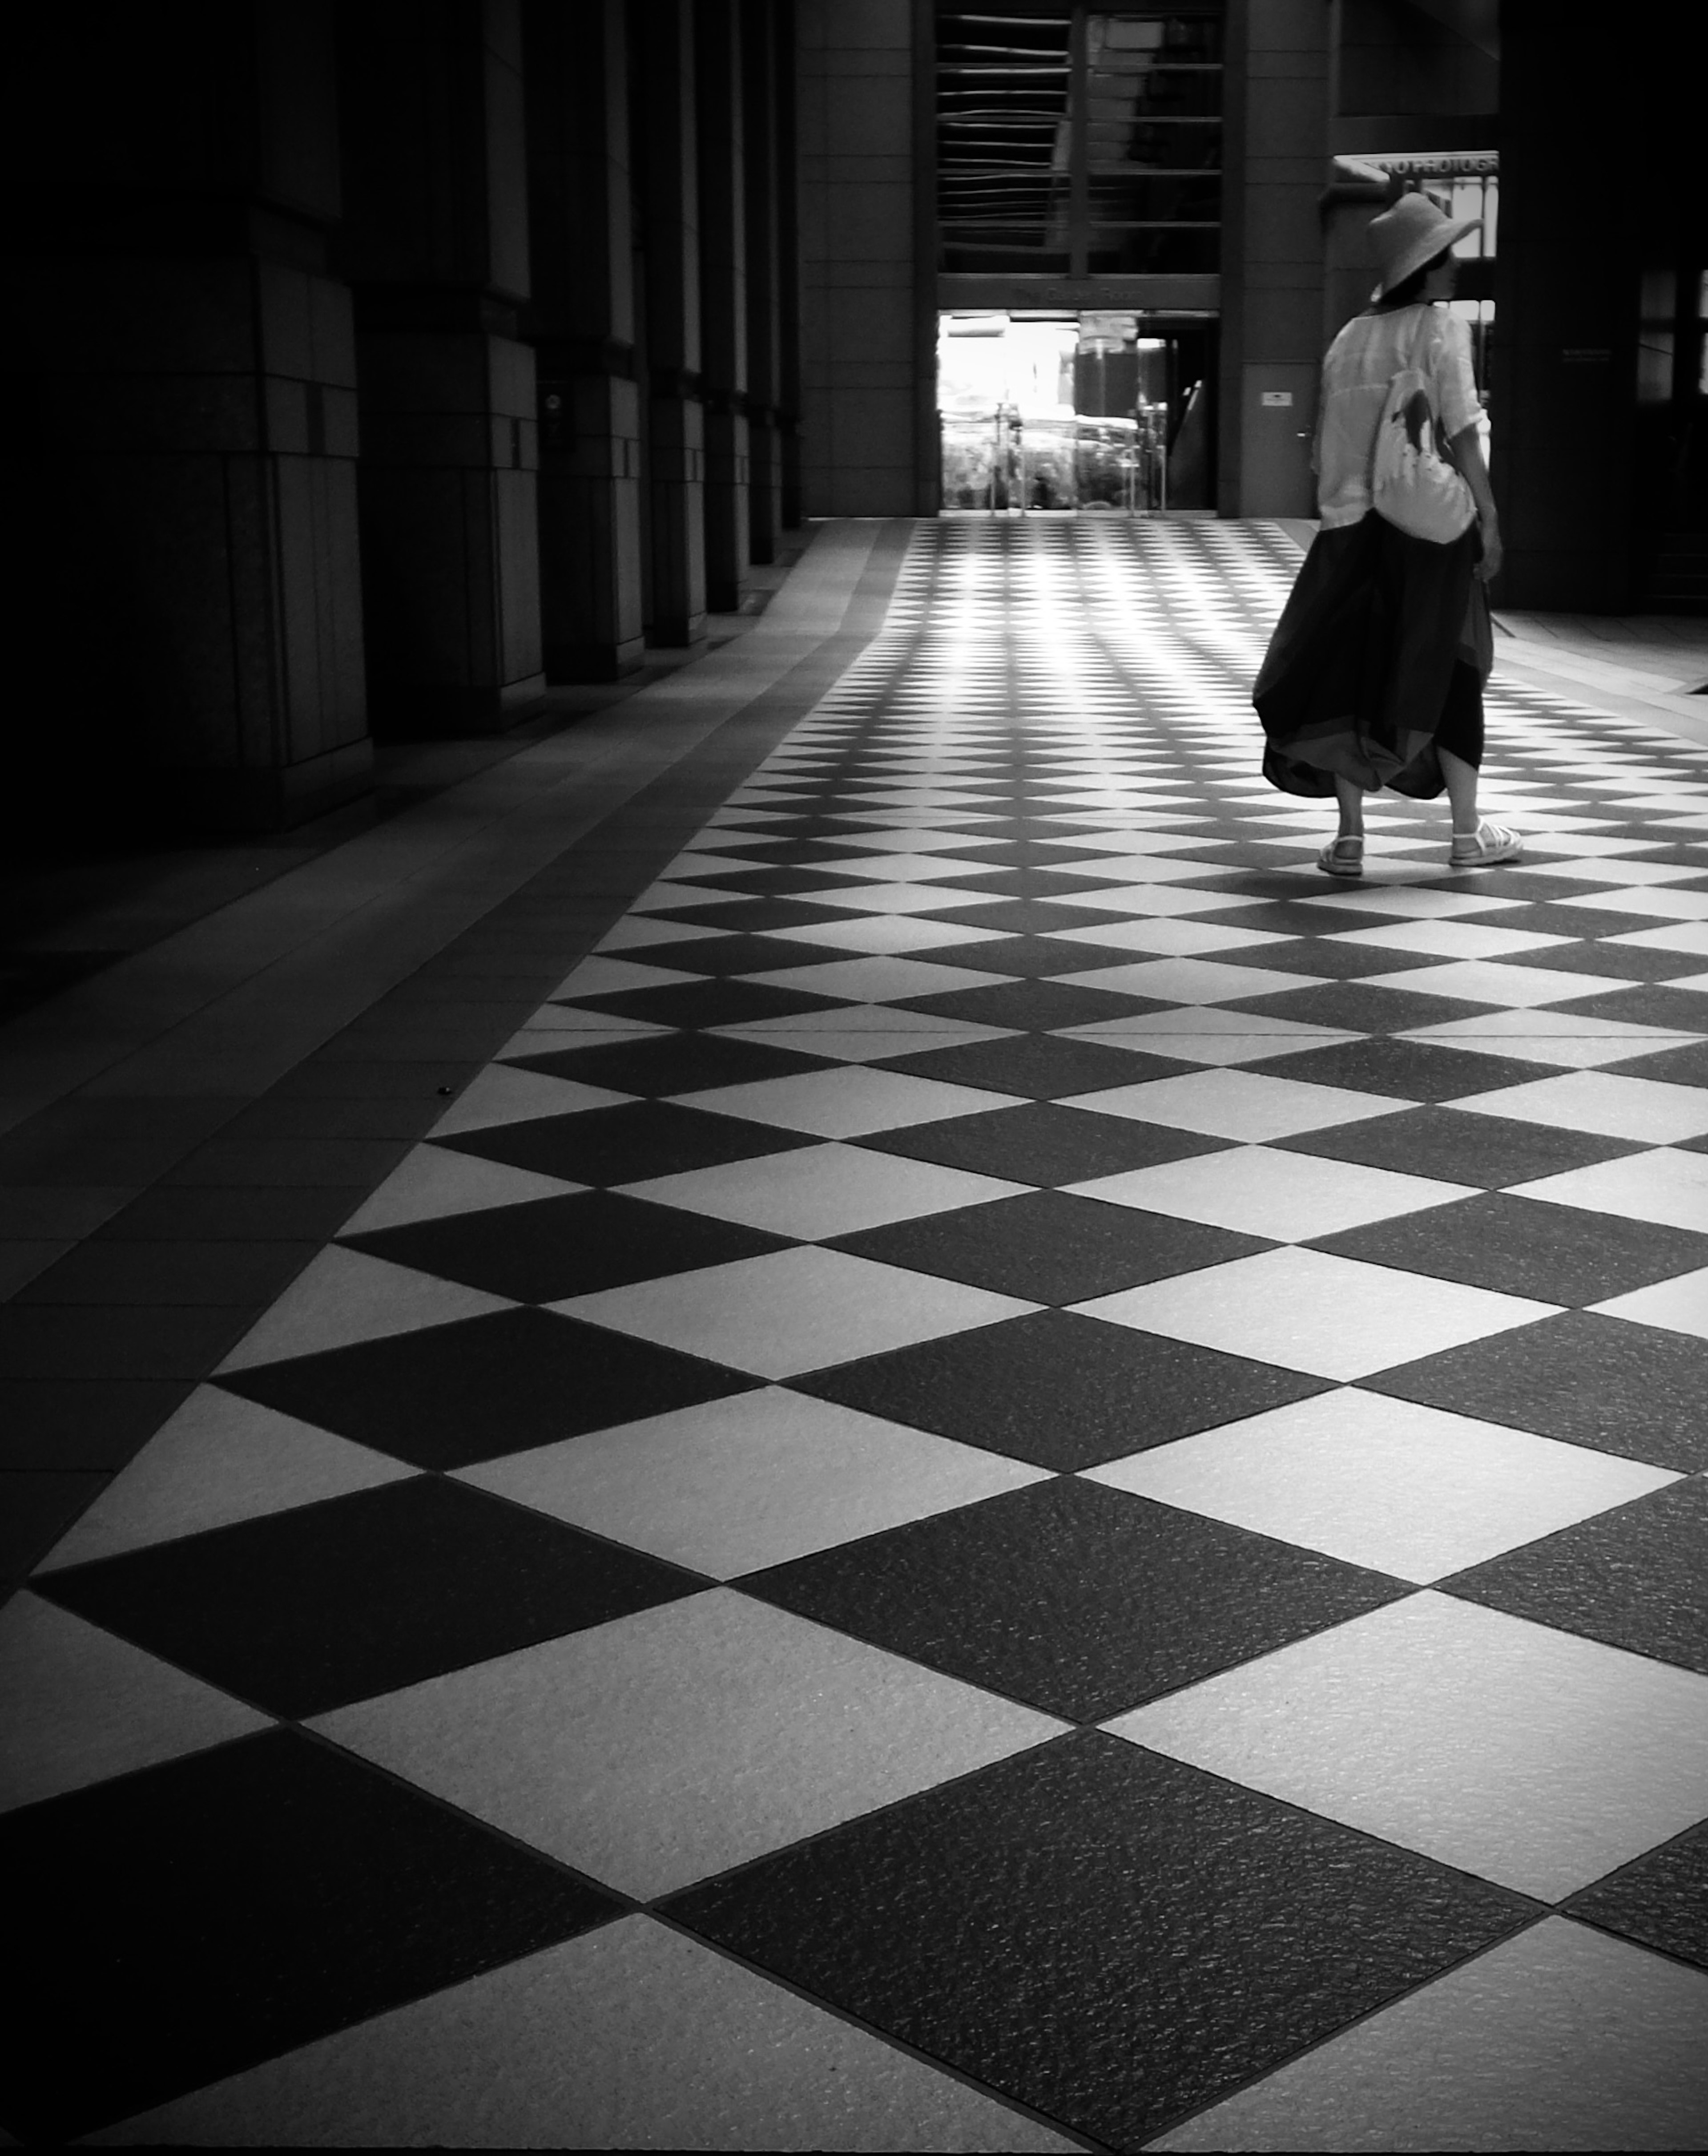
<point x="1060" y="413"/>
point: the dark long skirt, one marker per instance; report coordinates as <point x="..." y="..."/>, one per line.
<point x="1376" y="664"/>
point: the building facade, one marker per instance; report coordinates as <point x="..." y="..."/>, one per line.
<point x="384" y="364"/>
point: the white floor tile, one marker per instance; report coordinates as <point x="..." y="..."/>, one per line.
<point x="80" y="1706"/>
<point x="1680" y="1306"/>
<point x="502" y="1095"/>
<point x="342" y="1296"/>
<point x="877" y="980"/>
<point x="1155" y="900"/>
<point x="1562" y="2039"/>
<point x="667" y="1747"/>
<point x="1448" y="939"/>
<point x="1570" y="1038"/>
<point x="1645" y="1110"/>
<point x="1530" y="1757"/>
<point x="632" y="2036"/>
<point x="1403" y="1489"/>
<point x="886" y="935"/>
<point x="796" y="1310"/>
<point x="216" y="1461"/>
<point x="1667" y="1185"/>
<point x="846" y="1101"/>
<point x="759" y="1480"/>
<point x="1209" y="1034"/>
<point x="864" y="1033"/>
<point x="823" y="1190"/>
<point x="1333" y="1317"/>
<point x="1288" y="1197"/>
<point x="1238" y="1104"/>
<point x="1487" y="981"/>
<point x="1688" y="936"/>
<point x="610" y="977"/>
<point x="1166" y="936"/>
<point x="428" y="1184"/>
<point x="1191" y="980"/>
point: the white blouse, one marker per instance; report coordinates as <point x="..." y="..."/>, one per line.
<point x="1360" y="364"/>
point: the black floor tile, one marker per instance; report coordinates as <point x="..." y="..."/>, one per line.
<point x="37" y="1506"/>
<point x="1030" y="957"/>
<point x="1630" y="1389"/>
<point x="1038" y="1066"/>
<point x="223" y="1909"/>
<point x="448" y="1395"/>
<point x="724" y="957"/>
<point x="754" y="916"/>
<point x="1058" y="1389"/>
<point x="1357" y="1007"/>
<point x="305" y="1610"/>
<point x="1077" y="1599"/>
<point x="1321" y="957"/>
<point x="656" y="1066"/>
<point x="1672" y="1067"/>
<point x="1110" y="1936"/>
<point x="554" y="1247"/>
<point x="1042" y="1141"/>
<point x="1403" y="1069"/>
<point x="1523" y="1246"/>
<point x="1049" y="1247"/>
<point x="625" y="1144"/>
<point x="1292" y="915"/>
<point x="1024" y="916"/>
<point x="704" y="1003"/>
<point x="1460" y="1145"/>
<point x="1636" y="1577"/>
<point x="1661" y="1901"/>
<point x="1033" y="1006"/>
<point x="1680" y="1010"/>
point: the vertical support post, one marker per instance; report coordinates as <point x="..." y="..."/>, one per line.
<point x="723" y="285"/>
<point x="759" y="144"/>
<point x="581" y="319"/>
<point x="667" y="167"/>
<point x="436" y="242"/>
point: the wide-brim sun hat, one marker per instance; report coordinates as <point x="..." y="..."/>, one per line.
<point x="1412" y="232"/>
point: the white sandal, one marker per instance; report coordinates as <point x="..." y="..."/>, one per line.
<point x="1332" y="861"/>
<point x="1491" y="843"/>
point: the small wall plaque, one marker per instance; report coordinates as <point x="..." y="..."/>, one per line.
<point x="1277" y="397"/>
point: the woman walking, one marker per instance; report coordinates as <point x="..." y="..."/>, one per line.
<point x="1374" y="675"/>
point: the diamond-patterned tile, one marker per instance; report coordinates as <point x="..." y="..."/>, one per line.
<point x="799" y="1310"/>
<point x="1057" y="1389"/>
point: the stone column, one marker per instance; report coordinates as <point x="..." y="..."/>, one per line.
<point x="764" y="354"/>
<point x="435" y="244"/>
<point x="581" y="320"/>
<point x="667" y="169"/>
<point x="185" y="481"/>
<point x="723" y="300"/>
<point x="789" y="271"/>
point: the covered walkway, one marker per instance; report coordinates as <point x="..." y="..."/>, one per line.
<point x="841" y="1422"/>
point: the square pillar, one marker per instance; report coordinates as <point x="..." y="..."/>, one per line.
<point x="186" y="481"/>
<point x="580" y="321"/>
<point x="667" y="170"/>
<point x="436" y="246"/>
<point x="723" y="300"/>
<point x="759" y="146"/>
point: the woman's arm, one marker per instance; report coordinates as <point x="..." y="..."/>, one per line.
<point x="1467" y="448"/>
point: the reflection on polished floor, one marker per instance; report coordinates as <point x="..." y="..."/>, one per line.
<point x="1007" y="1475"/>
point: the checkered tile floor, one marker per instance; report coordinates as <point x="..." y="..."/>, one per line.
<point x="1020" y="1478"/>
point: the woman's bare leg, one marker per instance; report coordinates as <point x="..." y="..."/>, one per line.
<point x="1461" y="791"/>
<point x="1351" y="800"/>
